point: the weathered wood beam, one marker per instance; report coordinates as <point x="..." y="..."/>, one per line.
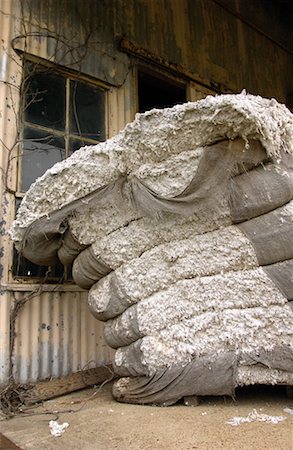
<point x="137" y="51"/>
<point x="48" y="389"/>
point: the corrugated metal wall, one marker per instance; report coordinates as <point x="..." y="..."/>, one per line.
<point x="215" y="42"/>
<point x="75" y="34"/>
<point x="56" y="335"/>
<point x="212" y="39"/>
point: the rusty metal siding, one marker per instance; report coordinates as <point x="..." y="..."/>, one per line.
<point x="122" y="104"/>
<point x="55" y="335"/>
<point x="211" y="42"/>
<point x="206" y="37"/>
<point x="74" y="34"/>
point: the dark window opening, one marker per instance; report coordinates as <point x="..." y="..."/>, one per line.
<point x="87" y="111"/>
<point x="25" y="269"/>
<point x="45" y="98"/>
<point x="157" y="92"/>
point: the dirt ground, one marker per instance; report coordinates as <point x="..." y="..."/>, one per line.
<point x="99" y="423"/>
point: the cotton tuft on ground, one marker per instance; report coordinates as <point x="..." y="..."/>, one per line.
<point x="181" y="228"/>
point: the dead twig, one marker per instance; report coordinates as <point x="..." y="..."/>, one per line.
<point x="11" y="404"/>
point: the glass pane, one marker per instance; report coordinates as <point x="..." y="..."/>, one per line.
<point x="45" y="100"/>
<point x="40" y="152"/>
<point x="87" y="111"/>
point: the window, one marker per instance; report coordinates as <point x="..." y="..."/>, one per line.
<point x="60" y="115"/>
<point x="156" y="91"/>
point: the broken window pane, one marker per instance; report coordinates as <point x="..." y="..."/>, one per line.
<point x="45" y="100"/>
<point x="40" y="151"/>
<point x="87" y="111"/>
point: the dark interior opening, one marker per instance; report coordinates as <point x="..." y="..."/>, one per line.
<point x="158" y="92"/>
<point x="25" y="269"/>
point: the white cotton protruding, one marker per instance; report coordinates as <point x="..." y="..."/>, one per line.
<point x="153" y="138"/>
<point x="57" y="429"/>
<point x="254" y="416"/>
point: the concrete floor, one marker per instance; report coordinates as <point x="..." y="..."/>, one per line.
<point x="98" y="422"/>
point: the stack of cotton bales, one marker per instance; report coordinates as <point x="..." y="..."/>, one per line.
<point x="181" y="227"/>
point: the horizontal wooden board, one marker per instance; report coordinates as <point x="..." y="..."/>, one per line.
<point x="73" y="382"/>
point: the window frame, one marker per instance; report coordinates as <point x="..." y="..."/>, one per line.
<point x="69" y="76"/>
